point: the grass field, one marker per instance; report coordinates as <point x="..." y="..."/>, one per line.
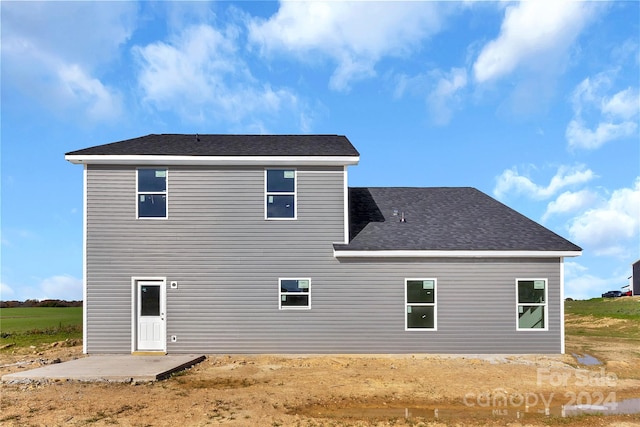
<point x="616" y="308"/>
<point x="603" y="317"/>
<point x="26" y="326"/>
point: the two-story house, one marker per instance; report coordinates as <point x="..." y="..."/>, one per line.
<point x="256" y="244"/>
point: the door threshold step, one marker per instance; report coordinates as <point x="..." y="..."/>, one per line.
<point x="149" y="353"/>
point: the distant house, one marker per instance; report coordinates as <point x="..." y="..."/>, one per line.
<point x="635" y="278"/>
<point x="256" y="244"/>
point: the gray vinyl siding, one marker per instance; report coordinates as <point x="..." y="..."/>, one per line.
<point x="227" y="260"/>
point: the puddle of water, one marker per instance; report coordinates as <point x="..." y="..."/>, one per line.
<point x="624" y="407"/>
<point x="425" y="413"/>
<point x="628" y="406"/>
<point x="587" y="359"/>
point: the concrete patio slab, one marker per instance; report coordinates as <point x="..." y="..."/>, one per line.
<point x="109" y="368"/>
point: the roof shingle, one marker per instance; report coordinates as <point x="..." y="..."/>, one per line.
<point x="442" y="219"/>
<point x="226" y="145"/>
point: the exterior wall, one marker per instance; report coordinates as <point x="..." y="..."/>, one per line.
<point x="227" y="260"/>
<point x="215" y="243"/>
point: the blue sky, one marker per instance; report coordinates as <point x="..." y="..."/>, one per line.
<point x="534" y="103"/>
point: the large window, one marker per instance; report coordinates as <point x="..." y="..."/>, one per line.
<point x="280" y="194"/>
<point x="420" y="298"/>
<point x="152" y="193"/>
<point x="531" y="304"/>
<point x="295" y="293"/>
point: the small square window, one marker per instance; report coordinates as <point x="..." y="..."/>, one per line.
<point x="295" y="293"/>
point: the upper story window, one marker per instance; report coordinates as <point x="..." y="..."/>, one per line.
<point x="280" y="194"/>
<point x="420" y="304"/>
<point x="532" y="304"/>
<point x="152" y="193"/>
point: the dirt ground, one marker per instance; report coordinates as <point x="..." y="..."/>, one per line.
<point x="337" y="390"/>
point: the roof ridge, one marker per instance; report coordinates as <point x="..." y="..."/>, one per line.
<point x="195" y="145"/>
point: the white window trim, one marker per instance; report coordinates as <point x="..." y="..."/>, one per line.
<point x="434" y="304"/>
<point x="294" y="194"/>
<point x="165" y="192"/>
<point x="280" y="294"/>
<point x="545" y="305"/>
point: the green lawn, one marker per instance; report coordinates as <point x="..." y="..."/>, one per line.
<point x="617" y="318"/>
<point x="25" y="326"/>
<point x="617" y="308"/>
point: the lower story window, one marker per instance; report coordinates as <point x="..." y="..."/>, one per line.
<point x="532" y="304"/>
<point x="295" y="293"/>
<point x="420" y="304"/>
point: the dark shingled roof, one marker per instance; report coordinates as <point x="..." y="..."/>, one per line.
<point x="226" y="145"/>
<point x="442" y="219"/>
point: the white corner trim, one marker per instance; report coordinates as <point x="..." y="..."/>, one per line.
<point x="562" y="337"/>
<point x="142" y="160"/>
<point x="453" y="254"/>
<point x="346" y="205"/>
<point x="84" y="261"/>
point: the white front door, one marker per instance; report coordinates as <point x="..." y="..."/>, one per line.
<point x="151" y="326"/>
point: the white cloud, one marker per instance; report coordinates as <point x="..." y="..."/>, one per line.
<point x="355" y="35"/>
<point x="89" y="33"/>
<point x="100" y="102"/>
<point x="588" y="91"/>
<point x="611" y="227"/>
<point x="53" y="53"/>
<point x="446" y="95"/>
<point x="616" y="115"/>
<point x="64" y="287"/>
<point x="624" y="104"/>
<point x="510" y="181"/>
<point x="570" y="202"/>
<point x="534" y="34"/>
<point x="579" y="135"/>
<point x="192" y="66"/>
<point x="200" y="75"/>
<point x="6" y="292"/>
<point x="443" y="91"/>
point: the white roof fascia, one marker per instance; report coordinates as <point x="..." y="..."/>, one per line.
<point x="454" y="254"/>
<point x="213" y="160"/>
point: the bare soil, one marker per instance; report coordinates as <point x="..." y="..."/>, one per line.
<point x="337" y="390"/>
